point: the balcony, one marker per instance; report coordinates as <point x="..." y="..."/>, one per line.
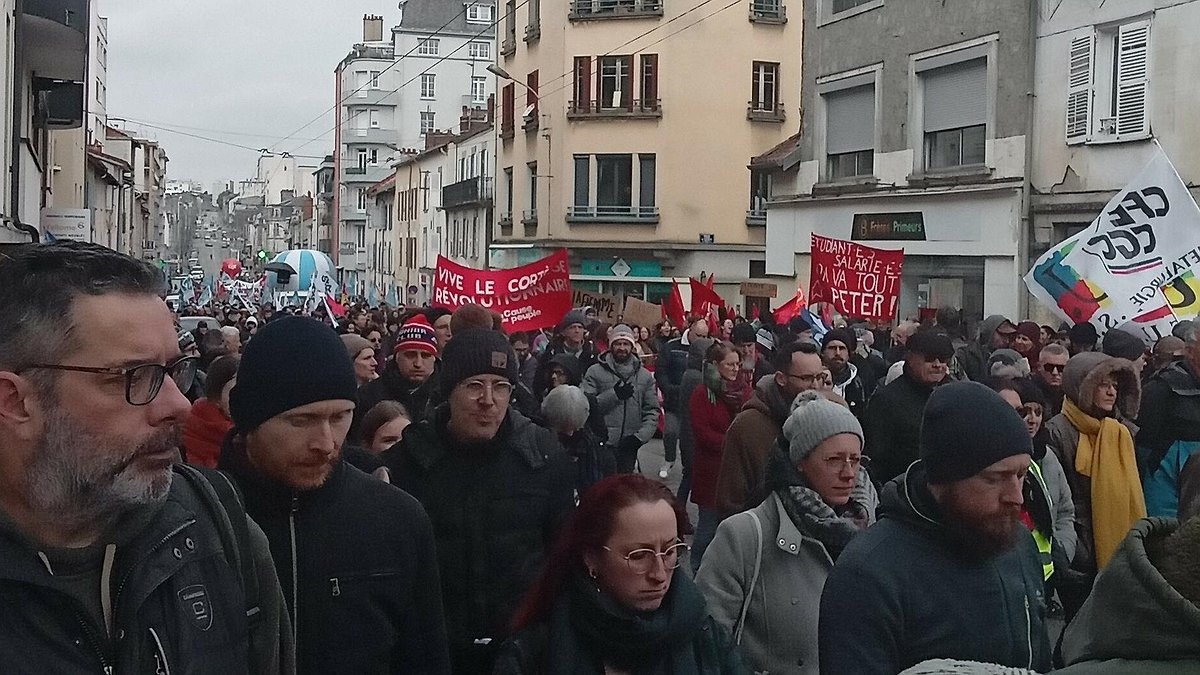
<point x="756" y="218"/>
<point x="768" y="11"/>
<point x="642" y="215"/>
<point x="635" y="110"/>
<point x="473" y="192"/>
<point x="375" y="97"/>
<point x="372" y="136"/>
<point x="529" y="217"/>
<point x="56" y="35"/>
<point x="149" y="245"/>
<point x="532" y="32"/>
<point x="765" y="112"/>
<point x="360" y="258"/>
<point x="505" y="221"/>
<point x="588" y="10"/>
<point x="347" y="248"/>
<point x="350" y="213"/>
<point x="372" y="173"/>
<point x="509" y="46"/>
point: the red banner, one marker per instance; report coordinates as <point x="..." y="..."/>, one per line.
<point x="859" y="281"/>
<point x="534" y="296"/>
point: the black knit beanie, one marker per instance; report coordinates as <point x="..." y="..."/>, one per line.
<point x="843" y="335"/>
<point x="967" y="428"/>
<point x="291" y="362"/>
<point x="476" y="352"/>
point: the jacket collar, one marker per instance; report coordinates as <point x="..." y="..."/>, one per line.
<point x="788" y="539"/>
<point x="430" y="439"/>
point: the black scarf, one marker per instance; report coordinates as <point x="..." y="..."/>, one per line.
<point x="810" y="514"/>
<point x="588" y="629"/>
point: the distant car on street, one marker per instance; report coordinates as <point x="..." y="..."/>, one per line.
<point x="189" y="323"/>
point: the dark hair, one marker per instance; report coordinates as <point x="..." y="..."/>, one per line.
<point x="950" y="319"/>
<point x="220" y="372"/>
<point x="519" y="336"/>
<point x="382" y="413"/>
<point x="782" y="358"/>
<point x="39" y="284"/>
<point x="590" y="526"/>
<point x="720" y="349"/>
<point x="432" y="314"/>
<point x="471" y="316"/>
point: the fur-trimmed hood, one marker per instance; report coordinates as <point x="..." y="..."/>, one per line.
<point x="1084" y="371"/>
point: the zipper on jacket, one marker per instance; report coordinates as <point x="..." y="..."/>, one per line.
<point x="162" y="542"/>
<point x="95" y="644"/>
<point x="1028" y="632"/>
<point x="295" y="568"/>
<point x="335" y="589"/>
<point x="161" y="666"/>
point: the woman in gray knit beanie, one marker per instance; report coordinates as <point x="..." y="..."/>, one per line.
<point x="782" y="550"/>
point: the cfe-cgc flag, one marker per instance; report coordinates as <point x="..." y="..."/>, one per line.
<point x="1135" y="264"/>
<point x="534" y="296"/>
<point x="859" y="281"/>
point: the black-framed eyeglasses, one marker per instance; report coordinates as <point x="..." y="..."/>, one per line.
<point x="642" y="560"/>
<point x="807" y="380"/>
<point x="142" y="382"/>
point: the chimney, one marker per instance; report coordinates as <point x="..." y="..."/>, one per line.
<point x="372" y="28"/>
<point x="436" y="139"/>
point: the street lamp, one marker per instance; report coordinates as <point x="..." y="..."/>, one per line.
<point x="504" y="75"/>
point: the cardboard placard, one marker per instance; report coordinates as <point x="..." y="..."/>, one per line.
<point x="608" y="307"/>
<point x="638" y="312"/>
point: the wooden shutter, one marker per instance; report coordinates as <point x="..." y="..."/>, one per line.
<point x="1133" y="70"/>
<point x="627" y="82"/>
<point x="509" y="102"/>
<point x="650" y="81"/>
<point x="583" y="83"/>
<point x="531" y="91"/>
<point x="1079" y="87"/>
<point x="755" y="75"/>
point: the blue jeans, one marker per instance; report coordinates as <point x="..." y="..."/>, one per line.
<point x="706" y="529"/>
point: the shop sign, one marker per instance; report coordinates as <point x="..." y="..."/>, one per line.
<point x="889" y="227"/>
<point x="751" y="289"/>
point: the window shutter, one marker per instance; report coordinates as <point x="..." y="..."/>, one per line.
<point x="850" y="117"/>
<point x="583" y="83"/>
<point x="1079" y="87"/>
<point x="650" y="81"/>
<point x="956" y="96"/>
<point x="531" y="91"/>
<point x="1133" y="70"/>
<point x="755" y="78"/>
<point x="627" y="82"/>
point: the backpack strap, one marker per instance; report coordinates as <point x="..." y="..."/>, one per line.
<point x="228" y="511"/>
<point x="741" y="622"/>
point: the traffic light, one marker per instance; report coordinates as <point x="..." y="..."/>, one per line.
<point x="262" y="255"/>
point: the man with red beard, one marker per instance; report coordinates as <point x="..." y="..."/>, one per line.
<point x="354" y="555"/>
<point x="109" y="561"/>
<point x="949" y="572"/>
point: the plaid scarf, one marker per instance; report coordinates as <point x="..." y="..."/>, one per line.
<point x="834" y="528"/>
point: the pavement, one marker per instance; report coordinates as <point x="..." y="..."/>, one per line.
<point x="650" y="459"/>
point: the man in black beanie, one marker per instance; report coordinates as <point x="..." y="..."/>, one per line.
<point x="837" y="347"/>
<point x="497" y="487"/>
<point x="950" y="571"/>
<point x="355" y="555"/>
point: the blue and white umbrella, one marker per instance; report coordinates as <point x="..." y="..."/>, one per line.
<point x="304" y="263"/>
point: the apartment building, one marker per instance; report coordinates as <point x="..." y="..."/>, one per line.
<point x="624" y="134"/>
<point x="1111" y="81"/>
<point x="915" y="136"/>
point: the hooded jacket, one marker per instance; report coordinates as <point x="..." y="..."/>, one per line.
<point x="905" y="591"/>
<point x="748" y="443"/>
<point x="1082" y="374"/>
<point x="892" y="427"/>
<point x="418" y="398"/>
<point x="635" y="416"/>
<point x="973" y="358"/>
<point x="159" y="554"/>
<point x="1170" y="413"/>
<point x="496" y="508"/>
<point x="356" y="561"/>
<point x="204" y="431"/>
<point x="854" y="390"/>
<point x="1135" y="622"/>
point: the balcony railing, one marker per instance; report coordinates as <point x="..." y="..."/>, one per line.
<point x="612" y="214"/>
<point x="768" y="11"/>
<point x="529" y="216"/>
<point x="582" y="10"/>
<point x="466" y="193"/>
<point x="765" y="112"/>
<point x="756" y="218"/>
<point x="635" y="109"/>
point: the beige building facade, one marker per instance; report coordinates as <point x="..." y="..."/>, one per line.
<point x="624" y="133"/>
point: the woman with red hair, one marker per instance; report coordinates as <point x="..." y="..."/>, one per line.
<point x="609" y="600"/>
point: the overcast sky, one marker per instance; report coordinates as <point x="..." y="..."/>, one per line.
<point x="244" y="71"/>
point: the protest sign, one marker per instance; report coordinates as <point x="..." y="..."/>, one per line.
<point x="608" y="307"/>
<point x="1135" y="264"/>
<point x="859" y="281"/>
<point x="638" y="312"/>
<point x="526" y="298"/>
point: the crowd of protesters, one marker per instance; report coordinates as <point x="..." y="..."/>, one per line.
<point x="419" y="491"/>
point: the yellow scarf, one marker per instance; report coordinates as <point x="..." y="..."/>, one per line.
<point x="1105" y="454"/>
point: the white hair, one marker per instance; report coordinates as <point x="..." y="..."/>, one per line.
<point x="566" y="406"/>
<point x="230" y="331"/>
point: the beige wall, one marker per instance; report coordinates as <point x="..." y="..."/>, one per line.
<point x="703" y="141"/>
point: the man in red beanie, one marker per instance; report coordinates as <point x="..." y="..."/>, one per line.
<point x="409" y="377"/>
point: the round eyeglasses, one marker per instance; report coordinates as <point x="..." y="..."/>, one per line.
<point x="643" y="560"/>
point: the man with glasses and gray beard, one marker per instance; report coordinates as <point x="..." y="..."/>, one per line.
<point x="109" y="561"/>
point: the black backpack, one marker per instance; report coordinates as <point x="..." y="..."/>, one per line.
<point x="228" y="512"/>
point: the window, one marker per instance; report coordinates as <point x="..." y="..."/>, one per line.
<point x="1108" y="84"/>
<point x="646" y="167"/>
<point x="373" y="158"/>
<point x="361" y="80"/>
<point x="531" y="97"/>
<point x="374" y="77"/>
<point x="771" y="11"/>
<point x="373" y="118"/>
<point x="474" y="236"/>
<point x="649" y="81"/>
<point x="533" y="191"/>
<point x="479" y="90"/>
<point x="582" y="92"/>
<point x="428" y="90"/>
<point x="477" y="13"/>
<point x="760" y="192"/>
<point x="583" y="180"/>
<point x="534" y="27"/>
<point x="850" y="132"/>
<point x="840" y="6"/>
<point x="614" y="86"/>
<point x="955" y="114"/>
<point x="428" y="47"/>
<point x="764" y="96"/>
<point x="362" y="159"/>
<point x="426" y="123"/>
<point x="362" y="207"/>
<point x="510" y="24"/>
<point x="508" y="195"/>
<point x="589" y="9"/>
<point x="508" y="101"/>
<point x="614" y="180"/>
<point x="479" y="50"/>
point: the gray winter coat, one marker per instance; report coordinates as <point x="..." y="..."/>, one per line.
<point x="1060" y="497"/>
<point x="779" y="634"/>
<point x="636" y="416"/>
<point x="1136" y="622"/>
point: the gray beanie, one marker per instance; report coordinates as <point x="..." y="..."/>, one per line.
<point x="814" y="419"/>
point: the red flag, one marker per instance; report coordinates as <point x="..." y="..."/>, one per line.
<point x="710" y="281"/>
<point x="790" y="309"/>
<point x="755" y="314"/>
<point x="704" y="297"/>
<point x="673" y="307"/>
<point x="338" y="309"/>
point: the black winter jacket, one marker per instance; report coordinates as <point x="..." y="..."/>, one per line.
<point x="496" y="508"/>
<point x="356" y="561"/>
<point x="905" y="591"/>
<point x="668" y="374"/>
<point x="892" y="425"/>
<point x="1170" y="412"/>
<point x="392" y="386"/>
<point x="177" y="605"/>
